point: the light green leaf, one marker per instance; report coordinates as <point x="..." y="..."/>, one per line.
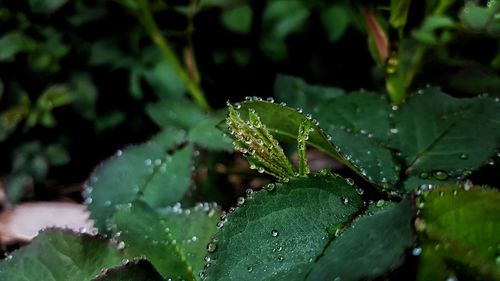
<point x="275" y="235"/>
<point x="238" y="19"/>
<point x="459" y="229"/>
<point x="60" y="255"/>
<point x="139" y="172"/>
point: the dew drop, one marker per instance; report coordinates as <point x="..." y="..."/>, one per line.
<point x="260" y="170"/>
<point x="464" y="156"/>
<point x="249" y="192"/>
<point x="211" y="247"/>
<point x="424" y="175"/>
<point x="350" y="181"/>
<point x="119" y="153"/>
<point x="281" y="258"/>
<point x="416" y="251"/>
<point x="220" y="224"/>
<point x="148" y="162"/>
<point x="345" y="200"/>
<point x="249" y="269"/>
<point x="275" y="233"/>
<point x="380" y="203"/>
<point x="121" y="245"/>
<point x="270" y="187"/>
<point x="440" y="175"/>
<point x="240" y="201"/>
<point x="271" y="100"/>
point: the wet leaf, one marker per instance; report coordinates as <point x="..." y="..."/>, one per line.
<point x="174" y="243"/>
<point x="274" y="235"/>
<point x="136" y="270"/>
<point x="144" y="172"/>
<point x="373" y="245"/>
<point x="60" y="255"/>
<point x="445" y="136"/>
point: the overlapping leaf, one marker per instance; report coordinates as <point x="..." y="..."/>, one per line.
<point x="275" y="235"/>
<point x="60" y="255"/>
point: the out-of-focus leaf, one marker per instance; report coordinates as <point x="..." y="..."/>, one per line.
<point x="206" y="134"/>
<point x="238" y="19"/>
<point x="109" y="120"/>
<point x="171" y="113"/>
<point x="46" y="6"/>
<point x="477" y="17"/>
<point x="15" y="186"/>
<point x="12" y="43"/>
<point x="428" y="34"/>
<point x="295" y="92"/>
<point x="399" y="13"/>
<point x="459" y="229"/>
<point x="57" y="155"/>
<point x="84" y="94"/>
<point x="336" y="19"/>
<point x="164" y="81"/>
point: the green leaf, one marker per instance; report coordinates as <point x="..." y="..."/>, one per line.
<point x="136" y="270"/>
<point x="12" y="43"/>
<point x="207" y="135"/>
<point x="170" y="138"/>
<point x="336" y="19"/>
<point x="477" y="17"/>
<point x="445" y="136"/>
<point x="428" y="32"/>
<point x="276" y="234"/>
<point x="15" y="185"/>
<point x="281" y="18"/>
<point x="374" y="244"/>
<point x="399" y="13"/>
<point x="109" y="120"/>
<point x="60" y="255"/>
<point x="139" y="172"/>
<point x="180" y="114"/>
<point x="164" y="81"/>
<point x="46" y="6"/>
<point x="297" y="93"/>
<point x="459" y="229"/>
<point x="57" y="155"/>
<point x="175" y="244"/>
<point x="238" y="19"/>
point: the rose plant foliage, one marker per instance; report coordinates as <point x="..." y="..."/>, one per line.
<point x="408" y="202"/>
<point x="402" y="200"/>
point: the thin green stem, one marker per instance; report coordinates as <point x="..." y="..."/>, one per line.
<point x="147" y="20"/>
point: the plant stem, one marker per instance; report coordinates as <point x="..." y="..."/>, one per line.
<point x="147" y="20"/>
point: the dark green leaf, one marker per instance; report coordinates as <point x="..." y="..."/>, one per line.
<point x="140" y="172"/>
<point x="46" y="6"/>
<point x="276" y="234"/>
<point x="180" y="114"/>
<point x="15" y="185"/>
<point x="57" y="155"/>
<point x="373" y="245"/>
<point x="336" y="19"/>
<point x="459" y="228"/>
<point x="238" y="19"/>
<point x="281" y="18"/>
<point x="13" y="43"/>
<point x="297" y="93"/>
<point x="60" y="255"/>
<point x="164" y="81"/>
<point x="136" y="270"/>
<point x="445" y="136"/>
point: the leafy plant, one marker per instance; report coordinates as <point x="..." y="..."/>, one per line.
<point x="400" y="202"/>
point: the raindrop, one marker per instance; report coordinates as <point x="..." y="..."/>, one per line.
<point x="220" y="224"/>
<point x="394" y="130"/>
<point x="148" y="162"/>
<point x="207" y="259"/>
<point x="281" y="258"/>
<point x="270" y="187"/>
<point x="87" y="201"/>
<point x="416" y="251"/>
<point x="275" y="233"/>
<point x="345" y="200"/>
<point x="240" y="201"/>
<point x="211" y="247"/>
<point x="464" y="156"/>
<point x="249" y="192"/>
<point x="121" y="245"/>
<point x="260" y="170"/>
<point x="380" y="203"/>
<point x="107" y="203"/>
<point x="249" y="269"/>
<point x="451" y="278"/>
<point x="468" y="185"/>
<point x="350" y="181"/>
<point x="424" y="175"/>
<point x="119" y="153"/>
<point x="440" y="175"/>
<point x="271" y="100"/>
